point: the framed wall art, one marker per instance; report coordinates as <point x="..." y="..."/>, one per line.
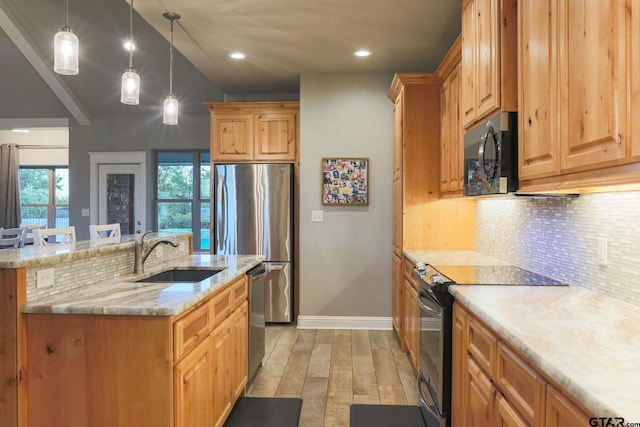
<point x="345" y="181"/>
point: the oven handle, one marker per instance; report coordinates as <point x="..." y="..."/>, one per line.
<point x="424" y="403"/>
<point x="426" y="308"/>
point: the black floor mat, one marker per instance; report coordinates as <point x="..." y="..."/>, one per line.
<point x="385" y="416"/>
<point x="265" y="412"/>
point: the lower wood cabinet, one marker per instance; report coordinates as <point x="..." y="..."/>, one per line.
<point x="104" y="371"/>
<point x="193" y="386"/>
<point x="493" y="385"/>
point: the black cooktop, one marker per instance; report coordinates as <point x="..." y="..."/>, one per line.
<point x="493" y="275"/>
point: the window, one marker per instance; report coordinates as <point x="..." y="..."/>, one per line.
<point x="182" y="195"/>
<point x="44" y="196"/>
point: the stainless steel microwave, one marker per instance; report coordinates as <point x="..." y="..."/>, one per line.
<point x="491" y="156"/>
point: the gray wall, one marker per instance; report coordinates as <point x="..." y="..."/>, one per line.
<point x="345" y="261"/>
<point x="133" y="133"/>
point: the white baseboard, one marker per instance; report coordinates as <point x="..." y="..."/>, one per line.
<point x="344" y="322"/>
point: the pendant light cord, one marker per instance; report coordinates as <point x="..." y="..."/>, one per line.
<point x="131" y="34"/>
<point x="171" y="61"/>
<point x="66" y="13"/>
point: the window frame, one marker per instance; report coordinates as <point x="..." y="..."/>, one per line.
<point x="51" y="205"/>
<point x="196" y="199"/>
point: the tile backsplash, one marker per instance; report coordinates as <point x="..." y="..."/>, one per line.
<point x="558" y="237"/>
<point x="81" y="270"/>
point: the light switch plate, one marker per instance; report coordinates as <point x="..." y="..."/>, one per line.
<point x="85" y="212"/>
<point x="317" y="216"/>
<point x="45" y="278"/>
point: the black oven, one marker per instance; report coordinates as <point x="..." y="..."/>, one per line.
<point x="491" y="156"/>
<point x="434" y="380"/>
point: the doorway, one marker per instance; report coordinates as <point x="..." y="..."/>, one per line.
<point x="118" y="190"/>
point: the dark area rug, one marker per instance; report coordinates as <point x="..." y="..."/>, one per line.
<point x="265" y="412"/>
<point x="385" y="416"/>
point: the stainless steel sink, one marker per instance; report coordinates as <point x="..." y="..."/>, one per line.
<point x="182" y="275"/>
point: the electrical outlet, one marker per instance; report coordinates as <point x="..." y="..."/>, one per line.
<point x="602" y="251"/>
<point x="45" y="278"/>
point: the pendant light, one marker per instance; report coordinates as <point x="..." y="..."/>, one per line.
<point x="130" y="91"/>
<point x="170" y="111"/>
<point x="65" y="48"/>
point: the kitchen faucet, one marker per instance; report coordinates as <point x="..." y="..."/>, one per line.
<point x="142" y="253"/>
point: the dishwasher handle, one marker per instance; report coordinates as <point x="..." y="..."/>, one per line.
<point x="257" y="272"/>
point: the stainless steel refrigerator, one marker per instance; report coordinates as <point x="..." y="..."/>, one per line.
<point x="253" y="215"/>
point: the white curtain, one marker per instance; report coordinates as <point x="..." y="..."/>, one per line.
<point x="10" y="215"/>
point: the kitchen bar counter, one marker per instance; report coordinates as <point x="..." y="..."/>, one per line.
<point x="123" y="296"/>
<point x="587" y="342"/>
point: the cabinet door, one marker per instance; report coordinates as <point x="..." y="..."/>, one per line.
<point x="222" y="362"/>
<point x="468" y="98"/>
<point x="480" y="396"/>
<point x="397" y="176"/>
<point x="635" y="80"/>
<point x="539" y="140"/>
<point x="561" y="412"/>
<point x="396" y="294"/>
<point x="193" y="388"/>
<point x="451" y="175"/>
<point x="458" y="367"/>
<point x="276" y="136"/>
<point x="507" y="416"/>
<point x="487" y="64"/>
<point x="240" y="347"/>
<point x="593" y="87"/>
<point x="410" y="325"/>
<point x="232" y="136"/>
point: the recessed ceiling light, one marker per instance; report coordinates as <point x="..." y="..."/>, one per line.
<point x="237" y="55"/>
<point x="128" y="45"/>
<point x="18" y="130"/>
<point x="362" y="53"/>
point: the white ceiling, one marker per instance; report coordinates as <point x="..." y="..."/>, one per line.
<point x="286" y="38"/>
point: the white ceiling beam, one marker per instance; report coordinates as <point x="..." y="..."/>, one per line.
<point x="23" y="41"/>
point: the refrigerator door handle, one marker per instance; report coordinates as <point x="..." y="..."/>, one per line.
<point x="220" y="213"/>
<point x="273" y="267"/>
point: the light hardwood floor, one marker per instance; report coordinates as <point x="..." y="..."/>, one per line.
<point x="331" y="369"/>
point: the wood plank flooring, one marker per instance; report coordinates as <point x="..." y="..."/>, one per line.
<point x="331" y="369"/>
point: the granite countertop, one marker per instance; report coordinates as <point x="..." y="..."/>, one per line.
<point x="586" y="341"/>
<point x="123" y="296"/>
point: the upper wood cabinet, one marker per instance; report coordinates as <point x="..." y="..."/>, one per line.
<point x="576" y="113"/>
<point x="451" y="142"/>
<point x="254" y="131"/>
<point x="489" y="62"/>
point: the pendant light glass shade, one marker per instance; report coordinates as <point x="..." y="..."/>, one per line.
<point x="65" y="50"/>
<point x="170" y="110"/>
<point x="130" y="90"/>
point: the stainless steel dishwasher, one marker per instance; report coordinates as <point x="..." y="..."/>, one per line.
<point x="257" y="277"/>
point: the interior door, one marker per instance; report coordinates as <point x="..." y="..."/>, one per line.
<point x="121" y="197"/>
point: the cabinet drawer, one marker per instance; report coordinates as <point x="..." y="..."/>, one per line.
<point x="238" y="292"/>
<point x="191" y="329"/>
<point x="482" y="345"/>
<point x="221" y="306"/>
<point x="408" y="268"/>
<point x="522" y="386"/>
